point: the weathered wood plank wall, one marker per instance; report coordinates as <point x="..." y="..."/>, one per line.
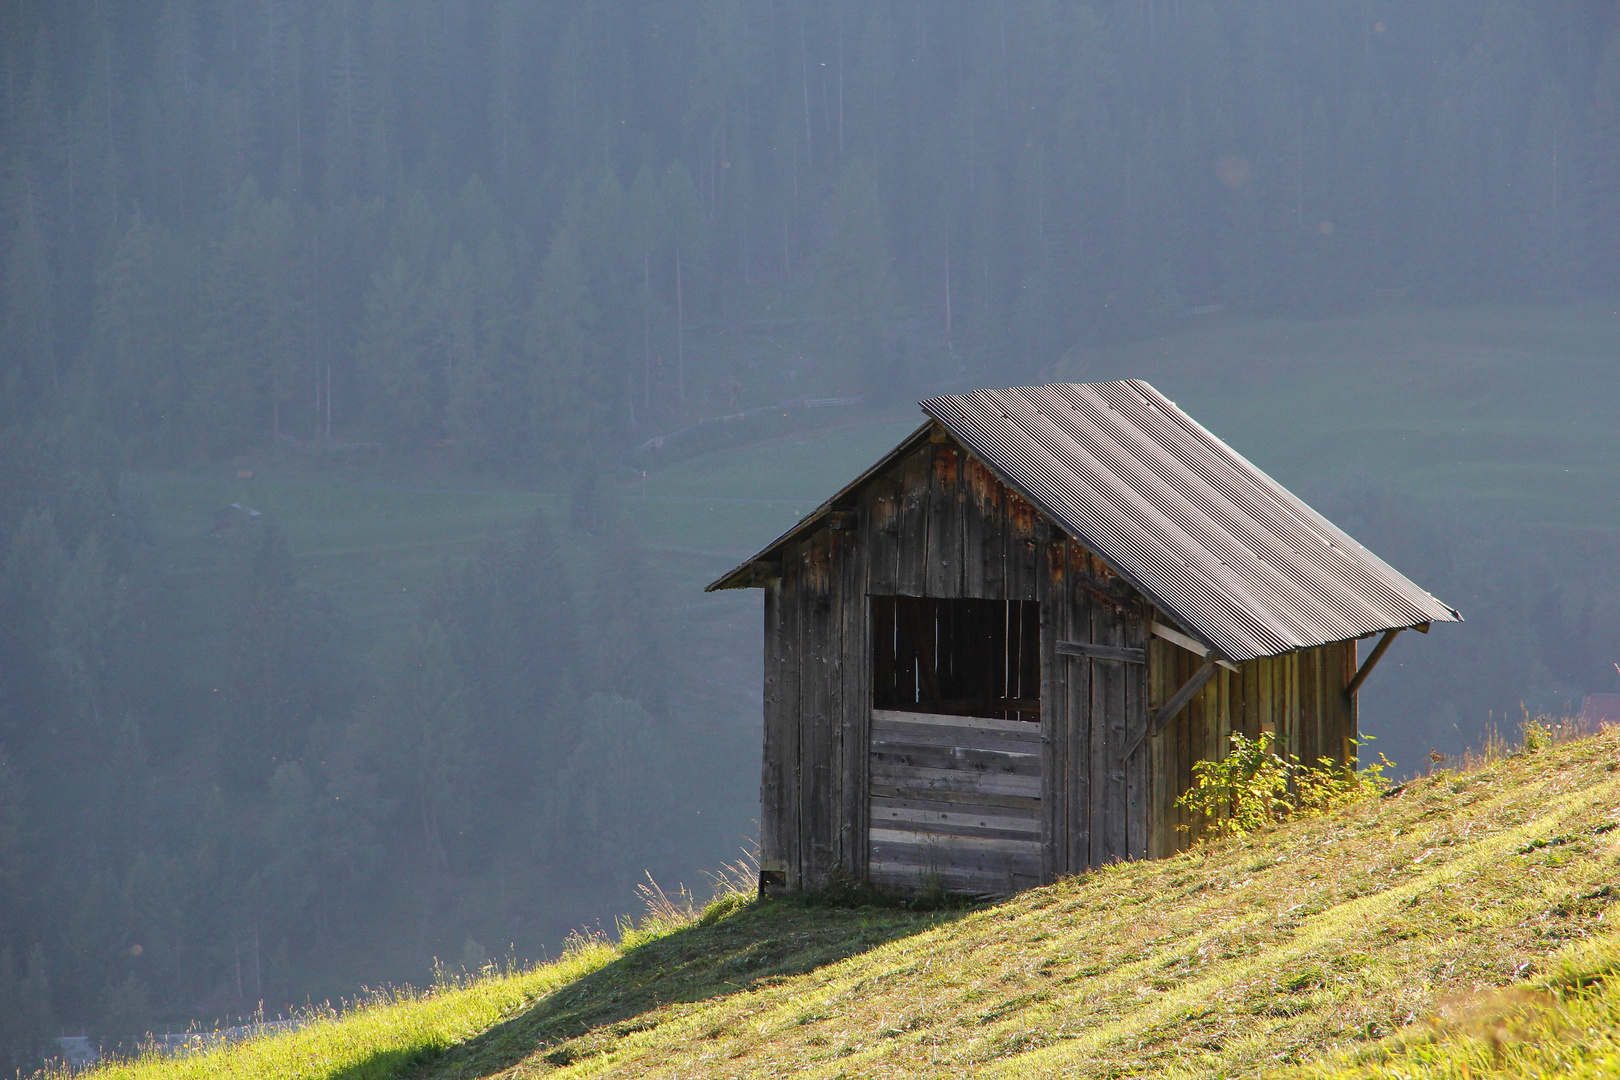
<point x="1299" y="696"/>
<point x="955" y="800"/>
<point x="938" y="524"/>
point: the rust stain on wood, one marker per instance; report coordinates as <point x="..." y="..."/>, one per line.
<point x="883" y="513"/>
<point x="1057" y="560"/>
<point x="989" y="495"/>
<point x="1022" y="516"/>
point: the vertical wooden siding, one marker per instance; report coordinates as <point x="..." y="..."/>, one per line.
<point x="1299" y="696"/>
<point x="938" y="524"/>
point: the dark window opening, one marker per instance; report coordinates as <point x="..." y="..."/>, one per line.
<point x="957" y="657"/>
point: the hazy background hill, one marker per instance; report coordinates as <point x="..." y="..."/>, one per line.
<point x="416" y="281"/>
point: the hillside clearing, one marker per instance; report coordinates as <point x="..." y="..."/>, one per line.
<point x="1239" y="958"/>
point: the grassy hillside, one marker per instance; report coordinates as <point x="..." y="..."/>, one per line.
<point x="1345" y="934"/>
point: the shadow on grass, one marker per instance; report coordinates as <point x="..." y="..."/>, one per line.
<point x="761" y="944"/>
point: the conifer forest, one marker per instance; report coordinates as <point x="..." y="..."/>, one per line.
<point x="521" y="239"/>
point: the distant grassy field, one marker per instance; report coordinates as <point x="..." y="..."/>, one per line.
<point x="374" y="546"/>
<point x="1345" y="934"/>
<point x="1511" y="409"/>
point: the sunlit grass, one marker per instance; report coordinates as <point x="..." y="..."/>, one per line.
<point x="1566" y="1025"/>
<point x="1327" y="935"/>
<point x="380" y="1038"/>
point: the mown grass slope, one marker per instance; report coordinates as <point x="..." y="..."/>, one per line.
<point x="1268" y="954"/>
<point x="1565" y="1025"/>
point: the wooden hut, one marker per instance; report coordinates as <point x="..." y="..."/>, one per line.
<point x="992" y="658"/>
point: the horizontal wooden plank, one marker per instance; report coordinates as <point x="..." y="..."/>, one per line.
<point x="920" y="779"/>
<point x="975" y="883"/>
<point x="994" y="708"/>
<point x="959" y="757"/>
<point x="999" y="867"/>
<point x="1089" y="651"/>
<point x="949" y="831"/>
<point x="955" y="845"/>
<point x="896" y="745"/>
<point x="957" y="803"/>
<point x="954" y="874"/>
<point x="938" y="720"/>
<point x="998" y="873"/>
<point x="1028" y="742"/>
<point x="905" y="792"/>
<point x="974" y="818"/>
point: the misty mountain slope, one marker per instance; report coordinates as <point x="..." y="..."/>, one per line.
<point x="1243" y="957"/>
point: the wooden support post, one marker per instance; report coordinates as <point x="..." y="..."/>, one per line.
<point x="1174" y="705"/>
<point x="1121" y="653"/>
<point x="1176" y="637"/>
<point x="1367" y="665"/>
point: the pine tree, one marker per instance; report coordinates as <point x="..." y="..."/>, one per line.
<point x="29" y="372"/>
<point x="602" y="812"/>
<point x="285" y="667"/>
<point x="567" y="394"/>
<point x="1603" y="142"/>
<point x="253" y="347"/>
<point x="418" y="733"/>
<point x="395" y="359"/>
<point x="137" y="384"/>
<point x="855" y="285"/>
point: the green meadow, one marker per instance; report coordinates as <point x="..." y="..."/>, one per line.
<point x="1457" y="925"/>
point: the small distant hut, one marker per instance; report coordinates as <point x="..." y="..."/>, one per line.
<point x="993" y="658"/>
<point x="234" y="518"/>
<point x="1600" y="709"/>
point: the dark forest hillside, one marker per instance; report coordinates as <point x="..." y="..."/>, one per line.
<point x="495" y="223"/>
<point x="518" y="240"/>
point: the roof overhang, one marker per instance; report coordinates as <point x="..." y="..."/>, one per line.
<point x="1248" y="569"/>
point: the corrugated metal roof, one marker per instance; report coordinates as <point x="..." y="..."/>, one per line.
<point x="1215" y="543"/>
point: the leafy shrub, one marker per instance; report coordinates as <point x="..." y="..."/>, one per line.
<point x="1253" y="786"/>
<point x="1242" y="791"/>
<point x="1330" y="784"/>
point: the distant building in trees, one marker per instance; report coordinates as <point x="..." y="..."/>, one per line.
<point x="1600" y="709"/>
<point x="229" y="519"/>
<point x="993" y="658"/>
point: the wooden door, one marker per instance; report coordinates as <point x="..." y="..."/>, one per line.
<point x="954" y="803"/>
